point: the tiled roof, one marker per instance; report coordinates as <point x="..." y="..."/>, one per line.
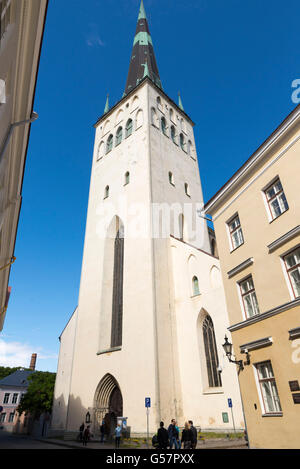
<point x="18" y="378"/>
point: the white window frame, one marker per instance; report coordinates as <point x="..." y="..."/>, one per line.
<point x="241" y="296"/>
<point x="2" y="417"/>
<point x="228" y="222"/>
<point x="17" y="396"/>
<point x="258" y="381"/>
<point x="6" y="394"/>
<point x="286" y="272"/>
<point x="272" y="218"/>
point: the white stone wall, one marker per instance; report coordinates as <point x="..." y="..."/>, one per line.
<point x="149" y="363"/>
<point x="200" y="403"/>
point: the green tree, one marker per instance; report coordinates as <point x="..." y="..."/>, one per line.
<point x="39" y="395"/>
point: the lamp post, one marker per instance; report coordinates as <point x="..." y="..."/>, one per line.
<point x="227" y="346"/>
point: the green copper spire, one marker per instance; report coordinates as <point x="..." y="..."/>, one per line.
<point x="106" y="109"/>
<point x="180" y="102"/>
<point x="142" y="13"/>
<point x="143" y="63"/>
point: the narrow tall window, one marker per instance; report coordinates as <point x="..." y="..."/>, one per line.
<point x="186" y="189"/>
<point x="235" y="231"/>
<point x="249" y="299"/>
<point x="171" y="178"/>
<point x="182" y="142"/>
<point x="117" y="305"/>
<point x="292" y="264"/>
<point x="196" y="290"/>
<point x="173" y="134"/>
<point x="212" y="361"/>
<point x="15" y="398"/>
<point x="268" y="388"/>
<point x="119" y="136"/>
<point x="127" y="178"/>
<point x="276" y="199"/>
<point x="164" y="126"/>
<point x="6" y="398"/>
<point x="109" y="143"/>
<point x="106" y="192"/>
<point x="2" y="417"/>
<point x="129" y="128"/>
<point x="11" y="417"/>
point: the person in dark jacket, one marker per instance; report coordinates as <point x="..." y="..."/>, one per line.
<point x="162" y="437"/>
<point x="81" y="429"/>
<point x="187" y="436"/>
<point x="173" y="434"/>
<point x="86" y="436"/>
<point x="195" y="434"/>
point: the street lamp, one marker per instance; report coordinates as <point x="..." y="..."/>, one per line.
<point x="227" y="346"/>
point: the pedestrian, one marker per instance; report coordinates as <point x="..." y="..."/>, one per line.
<point x="178" y="436"/>
<point x="173" y="434"/>
<point x="118" y="435"/>
<point x="102" y="431"/>
<point x="187" y="437"/>
<point x="195" y="434"/>
<point x="86" y="436"/>
<point x="162" y="437"/>
<point x="81" y="429"/>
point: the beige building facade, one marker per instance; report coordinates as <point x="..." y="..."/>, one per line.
<point x="256" y="217"/>
<point x="21" y="32"/>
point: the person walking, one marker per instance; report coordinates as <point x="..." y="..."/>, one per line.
<point x="102" y="431"/>
<point x="81" y="429"/>
<point x="86" y="436"/>
<point x="162" y="437"/>
<point x="195" y="434"/>
<point x="178" y="436"/>
<point x="173" y="434"/>
<point x="187" y="437"/>
<point x="118" y="435"/>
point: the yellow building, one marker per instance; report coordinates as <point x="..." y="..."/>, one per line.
<point x="256" y="216"/>
<point x="21" y="32"/>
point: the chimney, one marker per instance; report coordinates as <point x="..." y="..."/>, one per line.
<point x="33" y="361"/>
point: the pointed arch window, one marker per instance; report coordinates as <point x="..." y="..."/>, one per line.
<point x="187" y="189"/>
<point x="173" y="134"/>
<point x="164" y="126"/>
<point x="129" y="128"/>
<point x="119" y="136"/>
<point x="127" y="178"/>
<point x="195" y="284"/>
<point x="171" y="178"/>
<point x="106" y="192"/>
<point x="211" y="353"/>
<point x="117" y="304"/>
<point x="182" y="142"/>
<point x="109" y="143"/>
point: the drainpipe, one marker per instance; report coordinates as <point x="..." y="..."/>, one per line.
<point x="33" y="117"/>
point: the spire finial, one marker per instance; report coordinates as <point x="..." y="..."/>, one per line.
<point x="180" y="102"/>
<point x="142" y="12"/>
<point x="106" y="109"/>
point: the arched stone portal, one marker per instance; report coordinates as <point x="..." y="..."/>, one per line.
<point x="108" y="404"/>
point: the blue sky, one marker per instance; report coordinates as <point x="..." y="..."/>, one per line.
<point x="234" y="63"/>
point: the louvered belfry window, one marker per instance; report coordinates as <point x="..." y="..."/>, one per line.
<point x="117" y="301"/>
<point x="212" y="362"/>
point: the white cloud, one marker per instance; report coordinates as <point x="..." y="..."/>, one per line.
<point x="18" y="354"/>
<point x="93" y="37"/>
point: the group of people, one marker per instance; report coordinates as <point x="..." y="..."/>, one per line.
<point x="84" y="434"/>
<point x="171" y="437"/>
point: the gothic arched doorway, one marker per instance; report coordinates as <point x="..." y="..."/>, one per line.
<point x="108" y="404"/>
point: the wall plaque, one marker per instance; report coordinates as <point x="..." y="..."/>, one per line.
<point x="294" y="386"/>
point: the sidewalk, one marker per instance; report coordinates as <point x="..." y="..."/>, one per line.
<point x="217" y="443"/>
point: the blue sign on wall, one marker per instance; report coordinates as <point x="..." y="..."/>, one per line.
<point x="229" y="403"/>
<point x="147" y="402"/>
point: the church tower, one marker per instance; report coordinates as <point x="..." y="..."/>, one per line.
<point x="145" y="196"/>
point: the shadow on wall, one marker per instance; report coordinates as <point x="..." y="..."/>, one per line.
<point x="68" y="417"/>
